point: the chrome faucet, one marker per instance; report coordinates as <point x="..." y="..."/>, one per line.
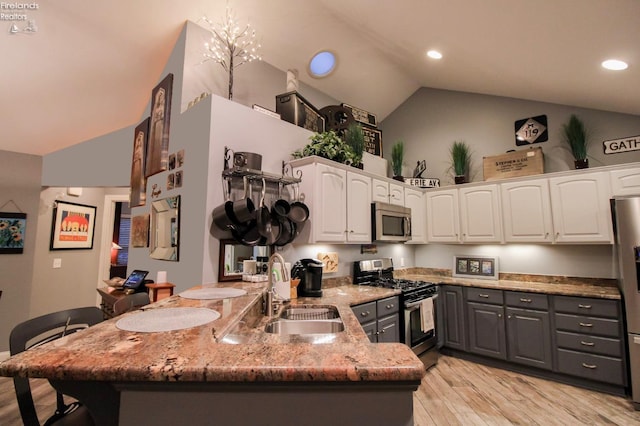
<point x="269" y="304"/>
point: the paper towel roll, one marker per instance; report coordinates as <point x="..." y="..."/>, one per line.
<point x="249" y="266"/>
<point x="161" y="277"/>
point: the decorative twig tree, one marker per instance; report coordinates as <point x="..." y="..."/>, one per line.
<point x="231" y="46"/>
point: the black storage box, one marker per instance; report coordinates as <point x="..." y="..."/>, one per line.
<point x="297" y="110"/>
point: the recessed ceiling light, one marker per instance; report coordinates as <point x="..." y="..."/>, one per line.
<point x="434" y="54"/>
<point x="615" y="65"/>
<point x="322" y="64"/>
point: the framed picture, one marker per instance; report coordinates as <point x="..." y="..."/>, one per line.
<point x="138" y="181"/>
<point x="140" y="231"/>
<point x="73" y="226"/>
<point x="12" y="227"/>
<point x="476" y="267"/>
<point x="157" y="157"/>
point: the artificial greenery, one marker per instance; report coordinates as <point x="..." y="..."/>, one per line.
<point x="460" y="158"/>
<point x="327" y="145"/>
<point x="354" y="137"/>
<point x="574" y="133"/>
<point x="397" y="157"/>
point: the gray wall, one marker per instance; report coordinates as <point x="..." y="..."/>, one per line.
<point x="431" y="119"/>
<point x="19" y="183"/>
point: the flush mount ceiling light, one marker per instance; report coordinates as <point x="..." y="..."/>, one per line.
<point x="434" y="54"/>
<point x="322" y="64"/>
<point x="615" y="65"/>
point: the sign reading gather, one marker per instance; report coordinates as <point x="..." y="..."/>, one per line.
<point x="615" y="146"/>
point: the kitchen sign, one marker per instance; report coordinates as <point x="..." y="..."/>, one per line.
<point x="531" y="130"/>
<point x="616" y="146"/>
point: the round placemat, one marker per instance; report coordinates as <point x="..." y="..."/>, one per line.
<point x="167" y="319"/>
<point x="213" y="293"/>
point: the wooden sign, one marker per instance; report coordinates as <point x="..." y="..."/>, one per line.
<point x="514" y="164"/>
<point x="616" y="146"/>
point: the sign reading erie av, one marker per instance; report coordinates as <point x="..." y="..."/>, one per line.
<point x="615" y="146"/>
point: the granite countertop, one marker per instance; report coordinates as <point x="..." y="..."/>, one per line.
<point x="603" y="288"/>
<point x="232" y="348"/>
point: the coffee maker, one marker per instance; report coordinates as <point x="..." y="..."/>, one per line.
<point x="310" y="273"/>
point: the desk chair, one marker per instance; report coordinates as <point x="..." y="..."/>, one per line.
<point x="40" y="330"/>
<point x="130" y="302"/>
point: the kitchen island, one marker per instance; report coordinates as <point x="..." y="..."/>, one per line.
<point x="229" y="371"/>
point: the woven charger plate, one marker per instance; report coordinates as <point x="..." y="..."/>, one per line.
<point x="212" y="293"/>
<point x="167" y="319"/>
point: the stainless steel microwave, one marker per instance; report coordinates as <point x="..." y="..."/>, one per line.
<point x="390" y="223"/>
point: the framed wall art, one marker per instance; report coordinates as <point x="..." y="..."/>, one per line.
<point x="138" y="180"/>
<point x="73" y="226"/>
<point x="157" y="158"/>
<point x="140" y="230"/>
<point x="476" y="267"/>
<point x="12" y="228"/>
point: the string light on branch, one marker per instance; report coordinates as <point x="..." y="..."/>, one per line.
<point x="231" y="45"/>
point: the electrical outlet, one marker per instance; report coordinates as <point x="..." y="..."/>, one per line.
<point x="57" y="263"/>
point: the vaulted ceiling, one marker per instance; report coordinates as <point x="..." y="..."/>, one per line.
<point x="90" y="66"/>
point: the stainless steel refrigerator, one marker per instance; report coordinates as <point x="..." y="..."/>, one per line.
<point x="626" y="215"/>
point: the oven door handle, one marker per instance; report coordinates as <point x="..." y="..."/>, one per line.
<point x="416" y="304"/>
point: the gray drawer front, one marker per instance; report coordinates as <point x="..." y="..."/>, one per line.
<point x="591" y="344"/>
<point x="587" y="306"/>
<point x="518" y="299"/>
<point x="388" y="306"/>
<point x="484" y="295"/>
<point x="588" y="325"/>
<point x="594" y="367"/>
<point x="365" y="312"/>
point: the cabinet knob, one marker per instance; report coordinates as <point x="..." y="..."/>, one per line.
<point x="364" y="314"/>
<point x="382" y="331"/>
<point x="508" y="316"/>
<point x="499" y="315"/>
<point x="389" y="306"/>
<point x="377" y="333"/>
<point x="351" y="232"/>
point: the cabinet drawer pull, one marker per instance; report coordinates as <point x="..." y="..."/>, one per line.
<point x="486" y="296"/>
<point x="364" y="314"/>
<point x="586" y="324"/>
<point x="581" y="306"/>
<point x="522" y="299"/>
<point x="590" y="366"/>
<point x="582" y="342"/>
<point x="389" y="306"/>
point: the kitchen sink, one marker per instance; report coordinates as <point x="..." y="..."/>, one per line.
<point x="310" y="312"/>
<point x="305" y="326"/>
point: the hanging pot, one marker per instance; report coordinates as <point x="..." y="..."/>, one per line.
<point x="243" y="210"/>
<point x="281" y="207"/>
<point x="299" y="212"/>
<point x="221" y="223"/>
<point x="268" y="226"/>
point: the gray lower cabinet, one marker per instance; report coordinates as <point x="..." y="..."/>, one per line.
<point x="486" y="330"/>
<point x="453" y="323"/>
<point x="380" y="319"/>
<point x="589" y="339"/>
<point x="529" y="338"/>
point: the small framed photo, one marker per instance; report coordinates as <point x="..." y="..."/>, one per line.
<point x="171" y="180"/>
<point x="180" y="158"/>
<point x="172" y="161"/>
<point x="157" y="157"/>
<point x="476" y="267"/>
<point x="73" y="226"/>
<point x="140" y="230"/>
<point x="178" y="180"/>
<point x="12" y="228"/>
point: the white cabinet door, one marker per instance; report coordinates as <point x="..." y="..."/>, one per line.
<point x="625" y="182"/>
<point x="358" y="211"/>
<point x="329" y="215"/>
<point x="480" y="215"/>
<point x="443" y="219"/>
<point x="396" y="194"/>
<point x="379" y="191"/>
<point x="417" y="202"/>
<point x="580" y="208"/>
<point x="526" y="211"/>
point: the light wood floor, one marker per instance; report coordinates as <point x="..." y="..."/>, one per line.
<point x="454" y="392"/>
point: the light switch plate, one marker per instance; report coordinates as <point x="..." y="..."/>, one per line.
<point x="57" y="263"/>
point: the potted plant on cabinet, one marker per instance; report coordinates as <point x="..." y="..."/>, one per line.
<point x="354" y="137"/>
<point x="397" y="157"/>
<point x="327" y="145"/>
<point x="575" y="135"/>
<point x="460" y="161"/>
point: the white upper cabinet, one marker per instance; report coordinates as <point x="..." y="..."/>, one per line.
<point x="526" y="211"/>
<point x="625" y="182"/>
<point x="480" y="214"/>
<point x="581" y="209"/>
<point x="387" y="192"/>
<point x="339" y="203"/>
<point x="443" y="217"/>
<point x="416" y="201"/>
<point x="358" y="208"/>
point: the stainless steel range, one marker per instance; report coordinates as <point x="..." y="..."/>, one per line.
<point x="418" y="328"/>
